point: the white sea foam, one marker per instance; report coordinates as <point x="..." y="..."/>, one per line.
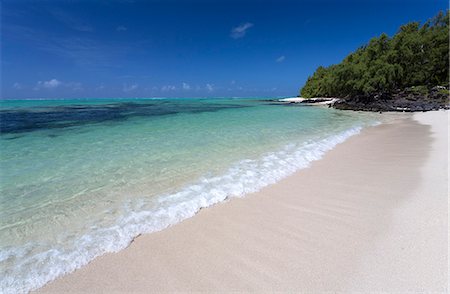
<point x="33" y="267"/>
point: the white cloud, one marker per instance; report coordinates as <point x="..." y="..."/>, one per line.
<point x="186" y="86"/>
<point x="54" y="83"/>
<point x="209" y="87"/>
<point x="121" y="28"/>
<point x="17" y="86"/>
<point x="130" y="88"/>
<point x="281" y="58"/>
<point x="100" y="87"/>
<point x="51" y="84"/>
<point x="168" y="88"/>
<point x="241" y="30"/>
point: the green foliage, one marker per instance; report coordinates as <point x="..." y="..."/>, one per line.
<point x="416" y="55"/>
<point x="422" y="90"/>
<point x="444" y="92"/>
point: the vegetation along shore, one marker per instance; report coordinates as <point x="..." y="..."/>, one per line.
<point x="406" y="72"/>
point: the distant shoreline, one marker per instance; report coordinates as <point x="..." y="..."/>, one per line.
<point x="408" y="100"/>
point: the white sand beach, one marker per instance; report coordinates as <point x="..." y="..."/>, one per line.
<point x="371" y="216"/>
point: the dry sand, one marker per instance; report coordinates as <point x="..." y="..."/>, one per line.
<point x="370" y="216"/>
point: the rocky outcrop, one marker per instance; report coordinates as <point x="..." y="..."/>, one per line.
<point x="410" y="99"/>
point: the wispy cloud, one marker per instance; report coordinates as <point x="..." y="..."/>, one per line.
<point x="209" y="87"/>
<point x="186" y="86"/>
<point x="17" y="86"/>
<point x="71" y="21"/>
<point x="168" y="88"/>
<point x="55" y="83"/>
<point x="241" y="30"/>
<point x="83" y="51"/>
<point x="130" y="88"/>
<point x="121" y="28"/>
<point x="281" y="58"/>
<point x="75" y="86"/>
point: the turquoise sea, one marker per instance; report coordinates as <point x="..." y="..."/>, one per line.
<point x="79" y="178"/>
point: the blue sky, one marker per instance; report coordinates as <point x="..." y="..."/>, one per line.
<point x="126" y="48"/>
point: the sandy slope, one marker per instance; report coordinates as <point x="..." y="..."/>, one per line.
<point x="371" y="216"/>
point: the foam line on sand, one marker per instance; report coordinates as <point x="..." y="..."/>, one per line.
<point x="370" y="216"/>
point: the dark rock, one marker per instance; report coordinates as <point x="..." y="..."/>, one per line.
<point x="407" y="100"/>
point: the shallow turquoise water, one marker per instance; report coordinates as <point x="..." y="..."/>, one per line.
<point x="80" y="178"/>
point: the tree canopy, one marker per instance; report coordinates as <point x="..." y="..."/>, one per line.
<point x="417" y="55"/>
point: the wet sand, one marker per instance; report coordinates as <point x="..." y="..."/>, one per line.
<point x="372" y="215"/>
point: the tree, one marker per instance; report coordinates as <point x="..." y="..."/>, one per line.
<point x="415" y="56"/>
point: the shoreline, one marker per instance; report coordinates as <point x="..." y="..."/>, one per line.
<point x="310" y="231"/>
<point x="260" y="152"/>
